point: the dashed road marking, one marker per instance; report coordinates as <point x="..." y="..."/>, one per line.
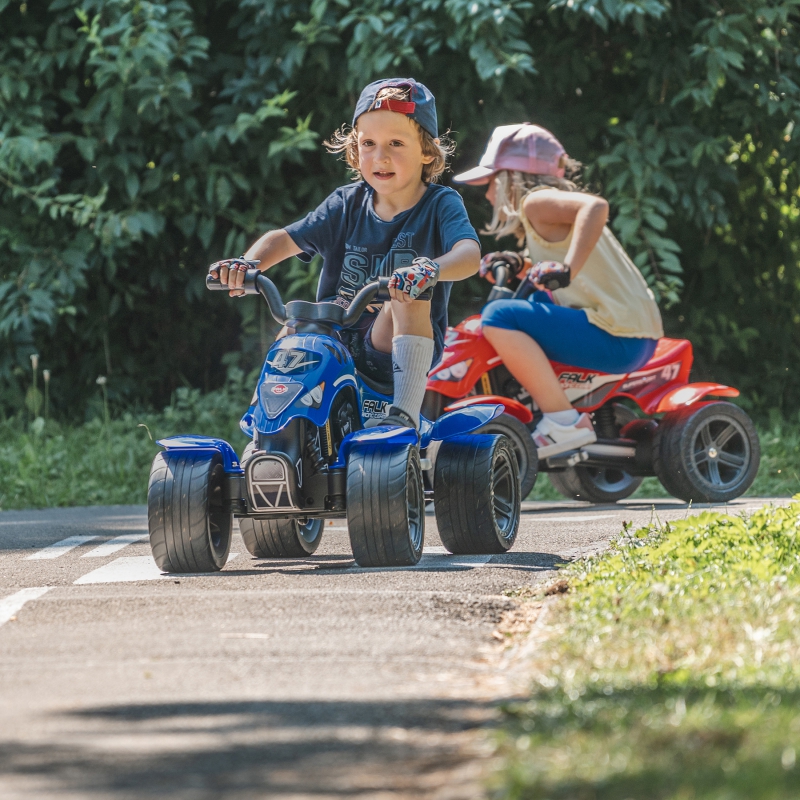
<point x="435" y="558"/>
<point x="115" y="544"/>
<point x="132" y="568"/>
<point x="59" y="548"/>
<point x="10" y="605"/>
<point x="571" y="518"/>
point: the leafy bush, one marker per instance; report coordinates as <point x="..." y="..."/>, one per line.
<point x="670" y="669"/>
<point x="141" y="140"/>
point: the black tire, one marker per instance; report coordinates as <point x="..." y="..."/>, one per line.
<point x="477" y="494"/>
<point x="710" y="454"/>
<point x="385" y="505"/>
<point x="596" y="484"/>
<point x="190" y="525"/>
<point x="522" y="442"/>
<point x="281" y="538"/>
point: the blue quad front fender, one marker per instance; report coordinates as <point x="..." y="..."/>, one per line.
<point x="454" y="423"/>
<point x="187" y="445"/>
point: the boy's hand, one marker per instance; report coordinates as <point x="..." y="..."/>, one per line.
<point x="408" y="283"/>
<point x="231" y="272"/>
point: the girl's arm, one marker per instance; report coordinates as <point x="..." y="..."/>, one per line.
<point x="553" y="213"/>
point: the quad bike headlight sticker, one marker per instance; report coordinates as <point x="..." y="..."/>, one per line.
<point x="278" y="396"/>
<point x="455" y="372"/>
<point x="313" y="397"/>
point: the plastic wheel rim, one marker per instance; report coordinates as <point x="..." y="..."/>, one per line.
<point x="415" y="509"/>
<point x="609" y="479"/>
<point x="308" y="532"/>
<point x="720" y="452"/>
<point x="504" y="491"/>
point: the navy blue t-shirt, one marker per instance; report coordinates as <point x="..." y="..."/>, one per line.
<point x="357" y="246"/>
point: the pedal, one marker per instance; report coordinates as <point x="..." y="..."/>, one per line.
<point x="567" y="460"/>
<point x="426" y="463"/>
<point x="429" y="495"/>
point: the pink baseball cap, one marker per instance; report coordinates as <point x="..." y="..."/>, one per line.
<point x="525" y="147"/>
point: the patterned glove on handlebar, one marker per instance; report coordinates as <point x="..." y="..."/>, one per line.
<point x="414" y="280"/>
<point x="515" y="262"/>
<point x="550" y="275"/>
<point x="233" y="265"/>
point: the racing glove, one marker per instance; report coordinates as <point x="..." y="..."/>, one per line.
<point x="549" y="275"/>
<point x="515" y="262"/>
<point x="423" y="274"/>
<point x="233" y="264"/>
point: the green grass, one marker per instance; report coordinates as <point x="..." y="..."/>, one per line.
<point x="48" y="464"/>
<point x="102" y="464"/>
<point x="670" y="670"/>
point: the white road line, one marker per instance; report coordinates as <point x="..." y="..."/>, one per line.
<point x="27" y="522"/>
<point x="434" y="558"/>
<point x="131" y="568"/>
<point x="10" y="605"/>
<point x="59" y="548"/>
<point x="115" y="544"/>
<point x="571" y="518"/>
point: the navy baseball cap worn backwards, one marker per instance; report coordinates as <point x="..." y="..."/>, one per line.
<point x="421" y="106"/>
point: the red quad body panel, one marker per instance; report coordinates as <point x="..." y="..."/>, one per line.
<point x="660" y="385"/>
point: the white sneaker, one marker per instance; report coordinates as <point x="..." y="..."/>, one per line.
<point x="551" y="438"/>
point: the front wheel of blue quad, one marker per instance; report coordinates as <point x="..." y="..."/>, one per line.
<point x="385" y="505"/>
<point x="477" y="494"/>
<point x="281" y="538"/>
<point x="190" y="524"/>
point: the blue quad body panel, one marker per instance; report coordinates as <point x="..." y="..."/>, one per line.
<point x="302" y="375"/>
<point x="203" y="444"/>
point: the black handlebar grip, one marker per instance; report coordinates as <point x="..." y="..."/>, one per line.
<point x="215" y="285"/>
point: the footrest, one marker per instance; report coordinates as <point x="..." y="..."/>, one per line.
<point x="566" y="460"/>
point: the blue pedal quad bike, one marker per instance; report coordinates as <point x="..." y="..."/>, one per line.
<point x="310" y="458"/>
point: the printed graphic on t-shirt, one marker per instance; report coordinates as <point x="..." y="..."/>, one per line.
<point x="358" y="268"/>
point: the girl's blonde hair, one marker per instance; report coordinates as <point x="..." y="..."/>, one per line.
<point x="345" y="140"/>
<point x="511" y="186"/>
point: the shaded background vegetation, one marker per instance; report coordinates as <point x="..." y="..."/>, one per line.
<point x="140" y="140"/>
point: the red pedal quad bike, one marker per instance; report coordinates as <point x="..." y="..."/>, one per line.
<point x="700" y="448"/>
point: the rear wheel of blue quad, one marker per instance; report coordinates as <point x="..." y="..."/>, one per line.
<point x="521" y="440"/>
<point x="477" y="494"/>
<point x="385" y="505"/>
<point x="281" y="538"/>
<point x="189" y="522"/>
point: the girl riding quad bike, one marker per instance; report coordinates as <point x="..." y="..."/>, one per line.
<point x="590" y="334"/>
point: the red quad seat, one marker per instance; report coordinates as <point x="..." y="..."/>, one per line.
<point x="668" y="351"/>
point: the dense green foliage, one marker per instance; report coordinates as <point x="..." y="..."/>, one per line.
<point x="669" y="670"/>
<point x="141" y="140"/>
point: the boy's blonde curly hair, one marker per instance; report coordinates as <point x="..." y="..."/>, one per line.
<point x="345" y="141"/>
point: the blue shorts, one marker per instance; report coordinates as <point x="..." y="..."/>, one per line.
<point x="567" y="336"/>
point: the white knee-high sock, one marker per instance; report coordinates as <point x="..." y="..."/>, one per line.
<point x="411" y="360"/>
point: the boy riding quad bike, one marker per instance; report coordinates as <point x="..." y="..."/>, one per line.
<point x="310" y="458"/>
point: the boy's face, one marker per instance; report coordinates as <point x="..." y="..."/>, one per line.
<point x="390" y="151"/>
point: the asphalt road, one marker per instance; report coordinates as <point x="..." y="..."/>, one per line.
<point x="297" y="679"/>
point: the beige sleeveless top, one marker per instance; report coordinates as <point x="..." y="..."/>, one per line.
<point x="609" y="287"/>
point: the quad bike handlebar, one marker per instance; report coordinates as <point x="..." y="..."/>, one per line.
<point x="324" y="313"/>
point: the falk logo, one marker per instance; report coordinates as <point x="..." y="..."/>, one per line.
<point x="279" y="388"/>
<point x="286" y="361"/>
